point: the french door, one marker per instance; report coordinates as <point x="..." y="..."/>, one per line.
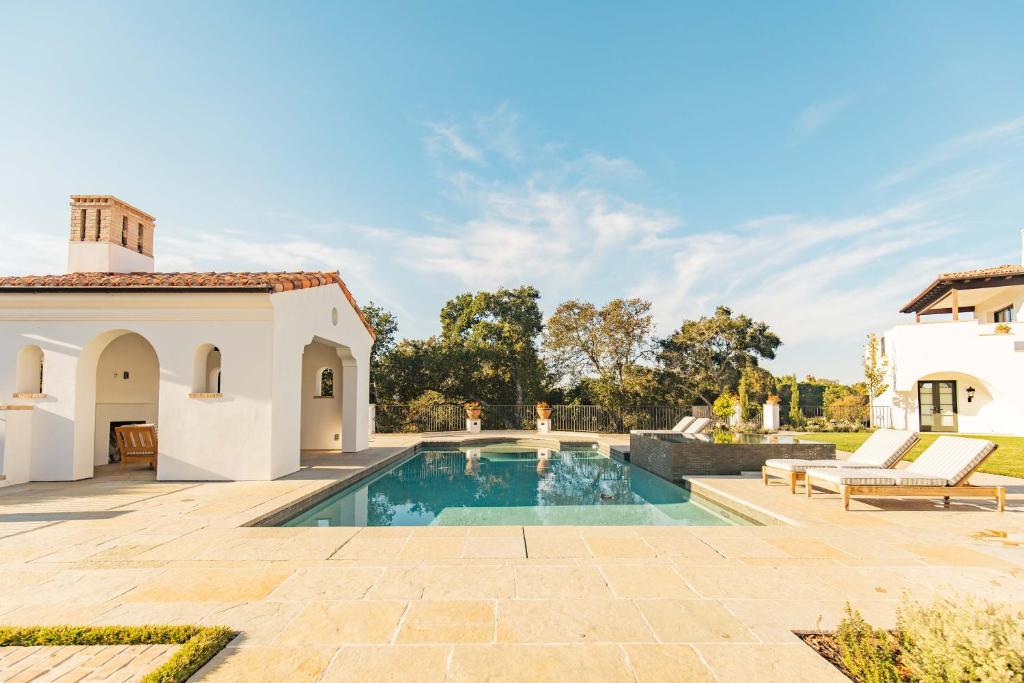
<point x="937" y="401"/>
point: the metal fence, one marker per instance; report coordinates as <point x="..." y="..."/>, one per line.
<point x="564" y="418"/>
<point x="451" y="417"/>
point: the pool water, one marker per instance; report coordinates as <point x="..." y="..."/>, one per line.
<point x="513" y="483"/>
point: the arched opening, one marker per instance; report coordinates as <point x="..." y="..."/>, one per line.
<point x="958" y="402"/>
<point x="28" y="379"/>
<point x="321" y="420"/>
<point x="118" y="383"/>
<point x="325" y="387"/>
<point x="206" y="369"/>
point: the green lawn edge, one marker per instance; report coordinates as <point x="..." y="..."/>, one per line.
<point x="1007" y="460"/>
<point x="199" y="644"/>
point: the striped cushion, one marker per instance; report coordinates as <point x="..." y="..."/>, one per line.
<point x="875" y="476"/>
<point x="798" y="465"/>
<point x="684" y="423"/>
<point x="884" y="448"/>
<point x="951" y="458"/>
<point x="863" y="476"/>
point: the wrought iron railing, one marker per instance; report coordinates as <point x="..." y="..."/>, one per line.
<point x="564" y="418"/>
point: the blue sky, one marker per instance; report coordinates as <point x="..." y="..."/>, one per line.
<point x="811" y="164"/>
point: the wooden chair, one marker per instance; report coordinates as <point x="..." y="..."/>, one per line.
<point x="882" y="449"/>
<point x="941" y="471"/>
<point x="137" y="443"/>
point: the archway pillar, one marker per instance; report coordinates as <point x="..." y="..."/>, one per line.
<point x="355" y="414"/>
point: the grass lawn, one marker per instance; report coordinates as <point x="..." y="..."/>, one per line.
<point x="1008" y="458"/>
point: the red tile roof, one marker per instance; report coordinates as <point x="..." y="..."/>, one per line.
<point x="996" y="276"/>
<point x="169" y="282"/>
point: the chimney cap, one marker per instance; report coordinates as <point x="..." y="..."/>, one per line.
<point x="101" y="199"/>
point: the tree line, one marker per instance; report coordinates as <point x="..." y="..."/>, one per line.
<point x="497" y="348"/>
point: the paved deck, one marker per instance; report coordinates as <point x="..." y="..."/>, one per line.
<point x="480" y="603"/>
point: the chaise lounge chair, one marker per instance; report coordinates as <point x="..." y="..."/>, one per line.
<point x="698" y="425"/>
<point x="679" y="427"/>
<point x="942" y="470"/>
<point x="882" y="449"/>
<point x="137" y="443"/>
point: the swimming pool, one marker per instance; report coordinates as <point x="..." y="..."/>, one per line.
<point x="514" y="483"/>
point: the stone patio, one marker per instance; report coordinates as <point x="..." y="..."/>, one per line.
<point x="487" y="603"/>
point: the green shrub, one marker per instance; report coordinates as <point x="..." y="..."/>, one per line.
<point x="722" y="408"/>
<point x="962" y="640"/>
<point x="868" y="653"/>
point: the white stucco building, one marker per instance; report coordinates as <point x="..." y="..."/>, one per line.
<point x="959" y="367"/>
<point x="239" y="371"/>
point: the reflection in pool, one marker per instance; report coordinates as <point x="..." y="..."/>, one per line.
<point x="512" y="483"/>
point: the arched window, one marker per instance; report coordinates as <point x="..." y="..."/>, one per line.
<point x="325" y="383"/>
<point x="141" y="238"/>
<point x="206" y="370"/>
<point x="29" y="371"/>
<point x="81" y="233"/>
<point x="124" y="231"/>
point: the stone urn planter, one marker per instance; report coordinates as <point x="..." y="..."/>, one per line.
<point x="543" y="410"/>
<point x="773" y="399"/>
<point x="473" y="410"/>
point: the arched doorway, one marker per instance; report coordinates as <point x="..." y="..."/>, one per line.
<point x="328" y="397"/>
<point x="118" y="383"/>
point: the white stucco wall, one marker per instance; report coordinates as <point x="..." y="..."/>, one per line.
<point x="226" y="438"/>
<point x="104" y="257"/>
<point x="251" y="431"/>
<point x="969" y="353"/>
<point x="319" y="314"/>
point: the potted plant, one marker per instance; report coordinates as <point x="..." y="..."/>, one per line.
<point x="543" y="410"/>
<point x="473" y="410"/>
<point x="773" y="398"/>
<point x="1003" y="328"/>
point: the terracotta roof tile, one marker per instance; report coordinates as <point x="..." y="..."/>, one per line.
<point x="984" y="272"/>
<point x="218" y="282"/>
<point x="1000" y="276"/>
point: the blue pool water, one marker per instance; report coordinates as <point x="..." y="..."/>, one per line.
<point x="512" y="483"/>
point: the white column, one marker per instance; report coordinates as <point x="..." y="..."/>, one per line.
<point x="353" y="432"/>
<point x="736" y="419"/>
<point x="544" y="426"/>
<point x="772" y="420"/>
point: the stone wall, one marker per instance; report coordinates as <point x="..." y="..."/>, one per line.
<point x="674" y="457"/>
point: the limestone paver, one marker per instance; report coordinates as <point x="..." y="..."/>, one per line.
<point x="505" y="662"/>
<point x="448" y="621"/>
<point x="795" y="663"/>
<point x="646" y="581"/>
<point x="211" y="585"/>
<point x="554" y="582"/>
<point x="694" y="621"/>
<point x="343" y="623"/>
<point x="652" y="663"/>
<point x="391" y="664"/>
<point x="568" y="621"/>
<point x="452" y="582"/>
<point x="267" y="664"/>
<point x="327" y="583"/>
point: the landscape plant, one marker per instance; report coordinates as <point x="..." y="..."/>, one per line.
<point x="951" y="640"/>
<point x="796" y="416"/>
<point x="722" y="408"/>
<point x="875" y="367"/>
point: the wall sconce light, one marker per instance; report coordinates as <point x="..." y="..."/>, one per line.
<point x="970" y="394"/>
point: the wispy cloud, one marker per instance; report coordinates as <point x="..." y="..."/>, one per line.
<point x="445" y="139"/>
<point x="955" y="148"/>
<point x="817" y="114"/>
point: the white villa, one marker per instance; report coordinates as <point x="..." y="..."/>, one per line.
<point x="959" y="367"/>
<point x="239" y="371"/>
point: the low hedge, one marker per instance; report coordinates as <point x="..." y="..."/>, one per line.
<point x="198" y="643"/>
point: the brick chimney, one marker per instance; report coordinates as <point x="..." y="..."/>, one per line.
<point x="109" y="236"/>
